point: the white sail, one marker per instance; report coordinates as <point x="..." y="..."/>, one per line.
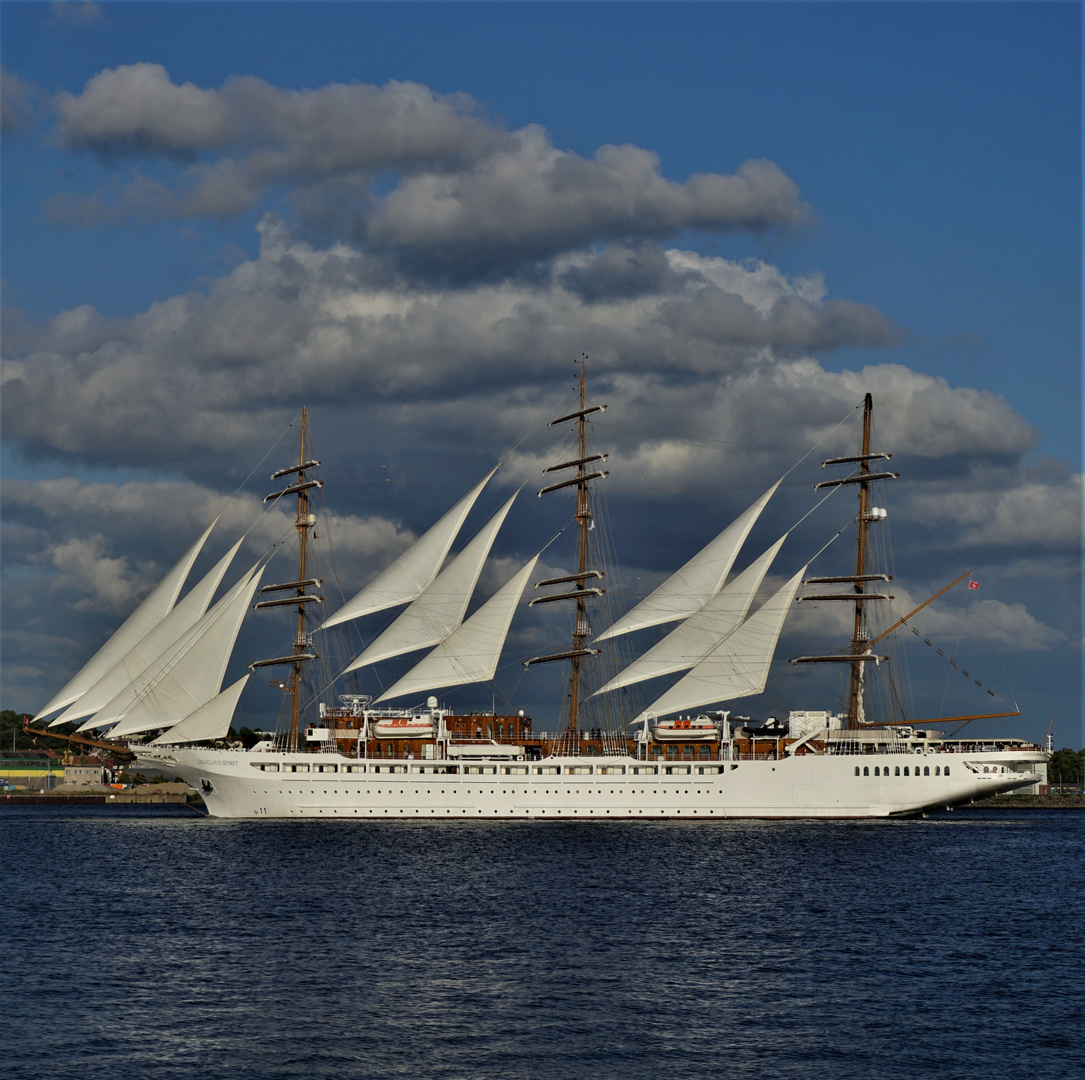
<point x="405" y="579"/>
<point x="739" y="665"/>
<point x="210" y="721"/>
<point x="155" y="606"/>
<point x="201" y="652"/>
<point x="693" y="640"/>
<point x="470" y="653"/>
<point x="441" y="607"/>
<point x="149" y="648"/>
<point x="688" y="588"/>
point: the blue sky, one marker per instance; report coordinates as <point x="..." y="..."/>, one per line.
<point x="934" y="151"/>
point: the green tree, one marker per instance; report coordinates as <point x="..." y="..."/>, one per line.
<point x="1066" y="767"/>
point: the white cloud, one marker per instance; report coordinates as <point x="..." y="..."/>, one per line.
<point x="469" y="198"/>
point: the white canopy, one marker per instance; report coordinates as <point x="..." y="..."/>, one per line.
<point x="739" y="665"/>
<point x="152" y="646"/>
<point x="688" y="588"/>
<point x="470" y="653"/>
<point x="693" y="640"/>
<point x="156" y="605"/>
<point x="405" y="579"/>
<point x="441" y="607"/>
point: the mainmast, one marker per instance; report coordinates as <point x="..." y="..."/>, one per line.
<point x="304" y="521"/>
<point x="860" y="649"/>
<point x="582" y="592"/>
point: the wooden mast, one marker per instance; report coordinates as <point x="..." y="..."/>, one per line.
<point x="303" y="522"/>
<point x="859" y="652"/>
<point x="582" y="592"/>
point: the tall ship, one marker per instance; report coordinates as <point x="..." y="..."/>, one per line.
<point x="155" y="688"/>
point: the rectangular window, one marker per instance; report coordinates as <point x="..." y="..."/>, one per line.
<point x="650" y="770"/>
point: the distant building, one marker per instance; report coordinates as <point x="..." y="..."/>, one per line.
<point x="94" y="771"/>
<point x="32" y="770"/>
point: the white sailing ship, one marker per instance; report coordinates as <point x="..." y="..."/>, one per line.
<point x="156" y="686"/>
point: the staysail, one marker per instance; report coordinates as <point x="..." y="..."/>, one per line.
<point x="187" y="675"/>
<point x="156" y="605"/>
<point x="210" y="721"/>
<point x="695" y="638"/>
<point x="689" y="587"/>
<point x="441" y="606"/>
<point x="739" y="665"/>
<point x="470" y="653"/>
<point x="149" y="648"/>
<point x="416" y="568"/>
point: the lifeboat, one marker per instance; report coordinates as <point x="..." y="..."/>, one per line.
<point x="685" y="729"/>
<point x="403" y="727"/>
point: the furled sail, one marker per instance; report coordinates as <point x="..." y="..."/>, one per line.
<point x="210" y="721"/>
<point x="694" y="639"/>
<point x="688" y="588"/>
<point x="441" y="607"/>
<point x="185" y="676"/>
<point x="739" y="665"/>
<point x="470" y="653"/>
<point x="149" y="648"/>
<point x="156" y="605"/>
<point x="406" y="578"/>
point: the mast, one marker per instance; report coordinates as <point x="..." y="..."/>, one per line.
<point x="859" y="652"/>
<point x="304" y="521"/>
<point x="582" y="592"/>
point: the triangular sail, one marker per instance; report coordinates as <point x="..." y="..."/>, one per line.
<point x="406" y="578"/>
<point x="739" y="665"/>
<point x="441" y="607"/>
<point x="156" y="605"/>
<point x="196" y="676"/>
<point x="688" y="588"/>
<point x="122" y="703"/>
<point x="152" y="646"/>
<point x="694" y="639"/>
<point x="210" y="721"/>
<point x="470" y="653"/>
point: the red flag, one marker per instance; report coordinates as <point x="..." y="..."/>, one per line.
<point x="973" y="584"/>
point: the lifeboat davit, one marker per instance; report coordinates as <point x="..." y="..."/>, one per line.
<point x="403" y="727"/>
<point x="699" y="729"/>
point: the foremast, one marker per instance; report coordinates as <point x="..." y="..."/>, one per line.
<point x="582" y="592"/>
<point x="860" y="650"/>
<point x="302" y="653"/>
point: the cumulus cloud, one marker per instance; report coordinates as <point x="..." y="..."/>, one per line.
<point x="210" y="373"/>
<point x="65" y="13"/>
<point x="17" y="103"/>
<point x="467" y="197"/>
<point x="1041" y="512"/>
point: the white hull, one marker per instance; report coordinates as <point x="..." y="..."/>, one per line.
<point x="244" y="784"/>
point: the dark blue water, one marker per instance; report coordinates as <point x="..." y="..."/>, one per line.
<point x="155" y="943"/>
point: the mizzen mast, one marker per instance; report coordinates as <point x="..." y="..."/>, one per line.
<point x="302" y="653"/>
<point x="859" y="652"/>
<point x="582" y="591"/>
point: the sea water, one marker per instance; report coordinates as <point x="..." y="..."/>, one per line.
<point x="152" y="942"/>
